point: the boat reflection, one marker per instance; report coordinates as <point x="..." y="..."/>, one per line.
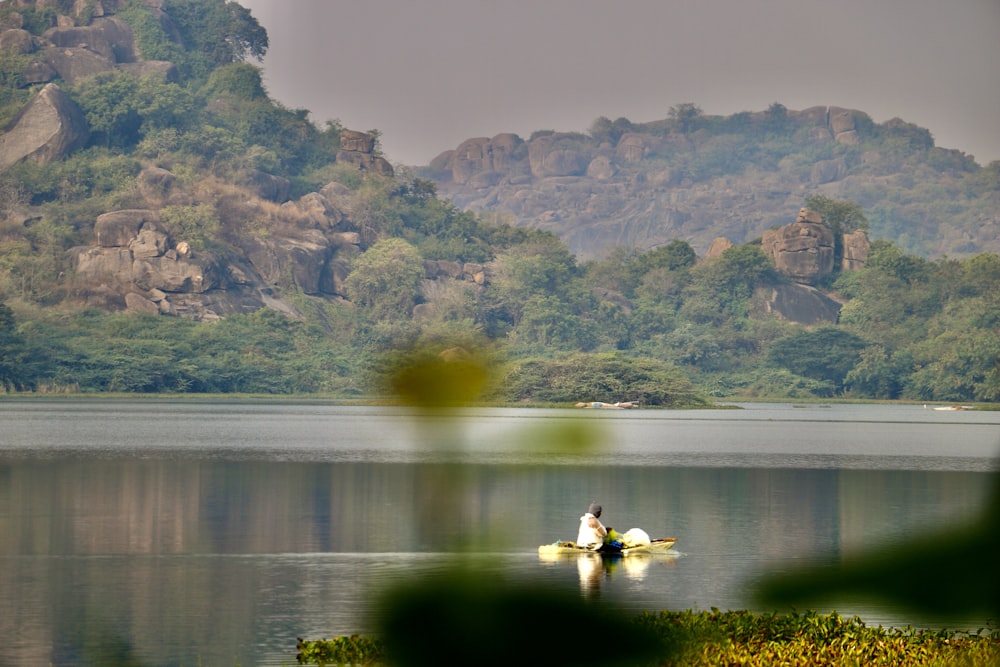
<point x="593" y="569"/>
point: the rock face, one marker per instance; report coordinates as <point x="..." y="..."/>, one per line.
<point x="795" y="303"/>
<point x="856" y="249"/>
<point x="74" y="52"/>
<point x="803" y="250"/>
<point x="137" y="264"/>
<point x="643" y="189"/>
<point x="48" y="128"/>
<point x="358" y="148"/>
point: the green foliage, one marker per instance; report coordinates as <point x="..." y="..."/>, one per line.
<point x="712" y="638"/>
<point x="240" y="80"/>
<point x="433" y="377"/>
<point x="120" y="109"/>
<point x="198" y="225"/>
<point x="13" y="370"/>
<point x="473" y="618"/>
<point x="386" y="278"/>
<point x="353" y="650"/>
<point x="151" y="38"/>
<point x="12" y="66"/>
<point x="37" y="19"/>
<point x="687" y="116"/>
<point x="604" y="130"/>
<point x="842" y="217"/>
<point x="721" y="288"/>
<point x="918" y="328"/>
<point x="886" y="574"/>
<point x="826" y="354"/>
<point x="260" y="353"/>
<point x="598" y="377"/>
<point x="95" y="174"/>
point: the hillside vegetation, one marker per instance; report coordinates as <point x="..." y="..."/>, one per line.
<point x="266" y="254"/>
<point x="698" y="177"/>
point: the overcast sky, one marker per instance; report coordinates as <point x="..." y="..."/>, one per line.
<point x="431" y="73"/>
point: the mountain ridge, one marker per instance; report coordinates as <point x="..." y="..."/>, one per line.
<point x="696" y="177"/>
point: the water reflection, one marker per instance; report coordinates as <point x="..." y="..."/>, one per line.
<point x="593" y="570"/>
<point x="264" y="526"/>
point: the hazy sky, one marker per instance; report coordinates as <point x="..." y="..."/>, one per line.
<point x="431" y="73"/>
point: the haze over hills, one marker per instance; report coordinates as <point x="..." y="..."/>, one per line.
<point x="697" y="177"/>
<point x="165" y="225"/>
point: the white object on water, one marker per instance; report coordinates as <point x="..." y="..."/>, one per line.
<point x="634" y="537"/>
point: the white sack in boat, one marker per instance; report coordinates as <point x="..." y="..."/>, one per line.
<point x="635" y="537"/>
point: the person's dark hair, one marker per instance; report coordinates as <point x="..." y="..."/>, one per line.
<point x="594" y="509"/>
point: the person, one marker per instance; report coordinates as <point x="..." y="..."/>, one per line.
<point x="593" y="534"/>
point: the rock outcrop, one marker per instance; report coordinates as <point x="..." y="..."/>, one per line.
<point x="856" y="249"/>
<point x="792" y="302"/>
<point x="47" y="129"/>
<point x="648" y="186"/>
<point x="358" y="148"/>
<point x="803" y="250"/>
<point x="137" y="264"/>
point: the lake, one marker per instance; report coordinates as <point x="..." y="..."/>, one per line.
<point x="215" y="532"/>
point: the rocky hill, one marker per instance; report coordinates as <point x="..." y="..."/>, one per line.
<point x="697" y="178"/>
<point x="221" y="239"/>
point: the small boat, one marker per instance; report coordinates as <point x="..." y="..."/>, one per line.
<point x="658" y="546"/>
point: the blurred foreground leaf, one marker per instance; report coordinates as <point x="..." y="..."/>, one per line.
<point x="472" y="618"/>
<point x="950" y="573"/>
<point x="451" y="378"/>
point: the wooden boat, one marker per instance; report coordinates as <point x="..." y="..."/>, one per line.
<point x="659" y="546"/>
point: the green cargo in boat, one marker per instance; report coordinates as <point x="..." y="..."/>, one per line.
<point x="658" y="546"/>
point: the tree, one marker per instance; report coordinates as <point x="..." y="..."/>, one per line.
<point x="110" y="103"/>
<point x="604" y="130"/>
<point x="826" y="354"/>
<point x="386" y="279"/>
<point x="776" y="119"/>
<point x="675" y="256"/>
<point x="842" y="217"/>
<point x="224" y="32"/>
<point x="240" y="80"/>
<point x="12" y="353"/>
<point x="686" y="115"/>
<point x="538" y="268"/>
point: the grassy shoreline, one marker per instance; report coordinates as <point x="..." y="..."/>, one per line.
<point x="719" y="404"/>
<point x="714" y="638"/>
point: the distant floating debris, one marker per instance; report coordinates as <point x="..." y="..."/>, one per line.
<point x="600" y="405"/>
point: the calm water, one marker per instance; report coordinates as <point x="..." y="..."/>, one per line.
<point x="216" y="533"/>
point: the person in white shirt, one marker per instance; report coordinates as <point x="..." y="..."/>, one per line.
<point x="592" y="531"/>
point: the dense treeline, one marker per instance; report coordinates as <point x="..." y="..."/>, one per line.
<point x="636" y="326"/>
<point x="657" y="327"/>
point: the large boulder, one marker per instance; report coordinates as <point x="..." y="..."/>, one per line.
<point x="102" y="266"/>
<point x="856" y="249"/>
<point x="47" y="129"/>
<point x="795" y="303"/>
<point x="803" y="250"/>
<point x="633" y="147"/>
<point x="118" y="229"/>
<point x="75" y="64"/>
<point x="108" y="37"/>
<point x="171" y="273"/>
<point x="304" y="259"/>
<point x="558" y="155"/>
<point x="481" y="160"/>
<point x="17" y="41"/>
<point x="358" y="149"/>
